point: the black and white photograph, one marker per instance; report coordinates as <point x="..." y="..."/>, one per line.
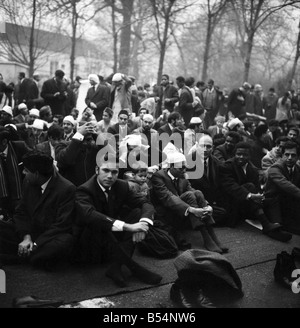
<point x="150" y="157"/>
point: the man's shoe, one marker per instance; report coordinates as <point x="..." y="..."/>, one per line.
<point x="280" y="235"/>
<point x="271" y="227"/>
<point x="35" y="302"/>
<point x="180" y="298"/>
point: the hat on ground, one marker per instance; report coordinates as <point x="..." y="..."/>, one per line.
<point x="7" y="110"/>
<point x="195" y="120"/>
<point x="22" y="106"/>
<point x="34" y="112"/>
<point x="70" y="119"/>
<point x="117" y="77"/>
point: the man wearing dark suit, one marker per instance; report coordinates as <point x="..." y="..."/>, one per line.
<point x="218" y="128"/>
<point x="168" y="96"/>
<point x="209" y="183"/>
<point x="54" y="92"/>
<point x="226" y="151"/>
<point x="11" y="153"/>
<point x="121" y="129"/>
<point x="240" y="181"/>
<point x="97" y="97"/>
<point x="112" y="212"/>
<point x="283" y="189"/>
<point x="76" y="159"/>
<point x="25" y="84"/>
<point x="23" y="117"/>
<point x="180" y="206"/>
<point x="174" y="120"/>
<point x="42" y="225"/>
<point x="186" y="106"/>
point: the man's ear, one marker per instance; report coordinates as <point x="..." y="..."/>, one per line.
<point x="97" y="169"/>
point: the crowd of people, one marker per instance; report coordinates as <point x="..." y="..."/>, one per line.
<point x="88" y="187"/>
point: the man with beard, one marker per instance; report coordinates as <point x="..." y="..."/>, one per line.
<point x="174" y="121"/>
<point x="240" y="182"/>
<point x="68" y="125"/>
<point x="226" y="151"/>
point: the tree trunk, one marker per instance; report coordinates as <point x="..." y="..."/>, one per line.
<point x="31" y="41"/>
<point x="292" y="75"/>
<point x="207" y="49"/>
<point x="73" y="39"/>
<point x="135" y="47"/>
<point x="124" y="60"/>
<point x="115" y="37"/>
<point x="163" y="48"/>
<point x="248" y="53"/>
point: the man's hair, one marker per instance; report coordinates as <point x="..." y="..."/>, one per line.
<point x="59" y="73"/>
<point x="200" y="84"/>
<point x="109" y="111"/>
<point x="146" y="85"/>
<point x="174" y="116"/>
<point x="44" y="111"/>
<point x="243" y="145"/>
<point x="22" y="74"/>
<point x="37" y="161"/>
<point x="291" y="145"/>
<point x="142" y="94"/>
<point x="190" y="81"/>
<point x="281" y="139"/>
<point x="59" y="117"/>
<point x="123" y="112"/>
<point x="211" y="81"/>
<point x="139" y="167"/>
<point x="180" y="79"/>
<point x="234" y="135"/>
<point x="272" y="90"/>
<point x="294" y="128"/>
<point x="166" y="75"/>
<point x="55" y="132"/>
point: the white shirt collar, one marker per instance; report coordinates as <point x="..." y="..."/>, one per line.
<point x="245" y="167"/>
<point x="44" y="186"/>
<point x="170" y="126"/>
<point x="171" y="175"/>
<point x="5" y="151"/>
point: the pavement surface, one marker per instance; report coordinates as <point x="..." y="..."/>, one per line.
<point x="252" y="254"/>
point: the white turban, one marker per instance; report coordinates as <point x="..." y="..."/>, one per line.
<point x="94" y="78"/>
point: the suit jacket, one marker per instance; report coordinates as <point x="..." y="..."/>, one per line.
<point x="210" y="186"/>
<point x="92" y="206"/>
<point x="222" y="154"/>
<point x="165" y="129"/>
<point x="24" y="94"/>
<point x="47" y="215"/>
<point x="170" y="92"/>
<point x="185" y="106"/>
<point x="21" y="119"/>
<point x="280" y="182"/>
<point x="76" y="162"/>
<point x="100" y="97"/>
<point x="165" y="197"/>
<point x="57" y="104"/>
<point x="233" y="178"/>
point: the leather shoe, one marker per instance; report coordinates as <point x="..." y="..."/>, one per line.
<point x="35" y="302"/>
<point x="280" y="235"/>
<point x="180" y="298"/>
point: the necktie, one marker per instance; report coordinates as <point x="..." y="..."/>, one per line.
<point x="176" y="184"/>
<point x="205" y="169"/>
<point x="291" y="172"/>
<point x="106" y="191"/>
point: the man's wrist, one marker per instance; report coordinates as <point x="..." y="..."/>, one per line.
<point x="249" y="196"/>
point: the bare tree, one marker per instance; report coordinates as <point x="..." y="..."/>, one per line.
<point x="165" y="13"/>
<point x="297" y="55"/>
<point x="251" y="15"/>
<point x="77" y="11"/>
<point x="23" y="41"/>
<point x="214" y="10"/>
